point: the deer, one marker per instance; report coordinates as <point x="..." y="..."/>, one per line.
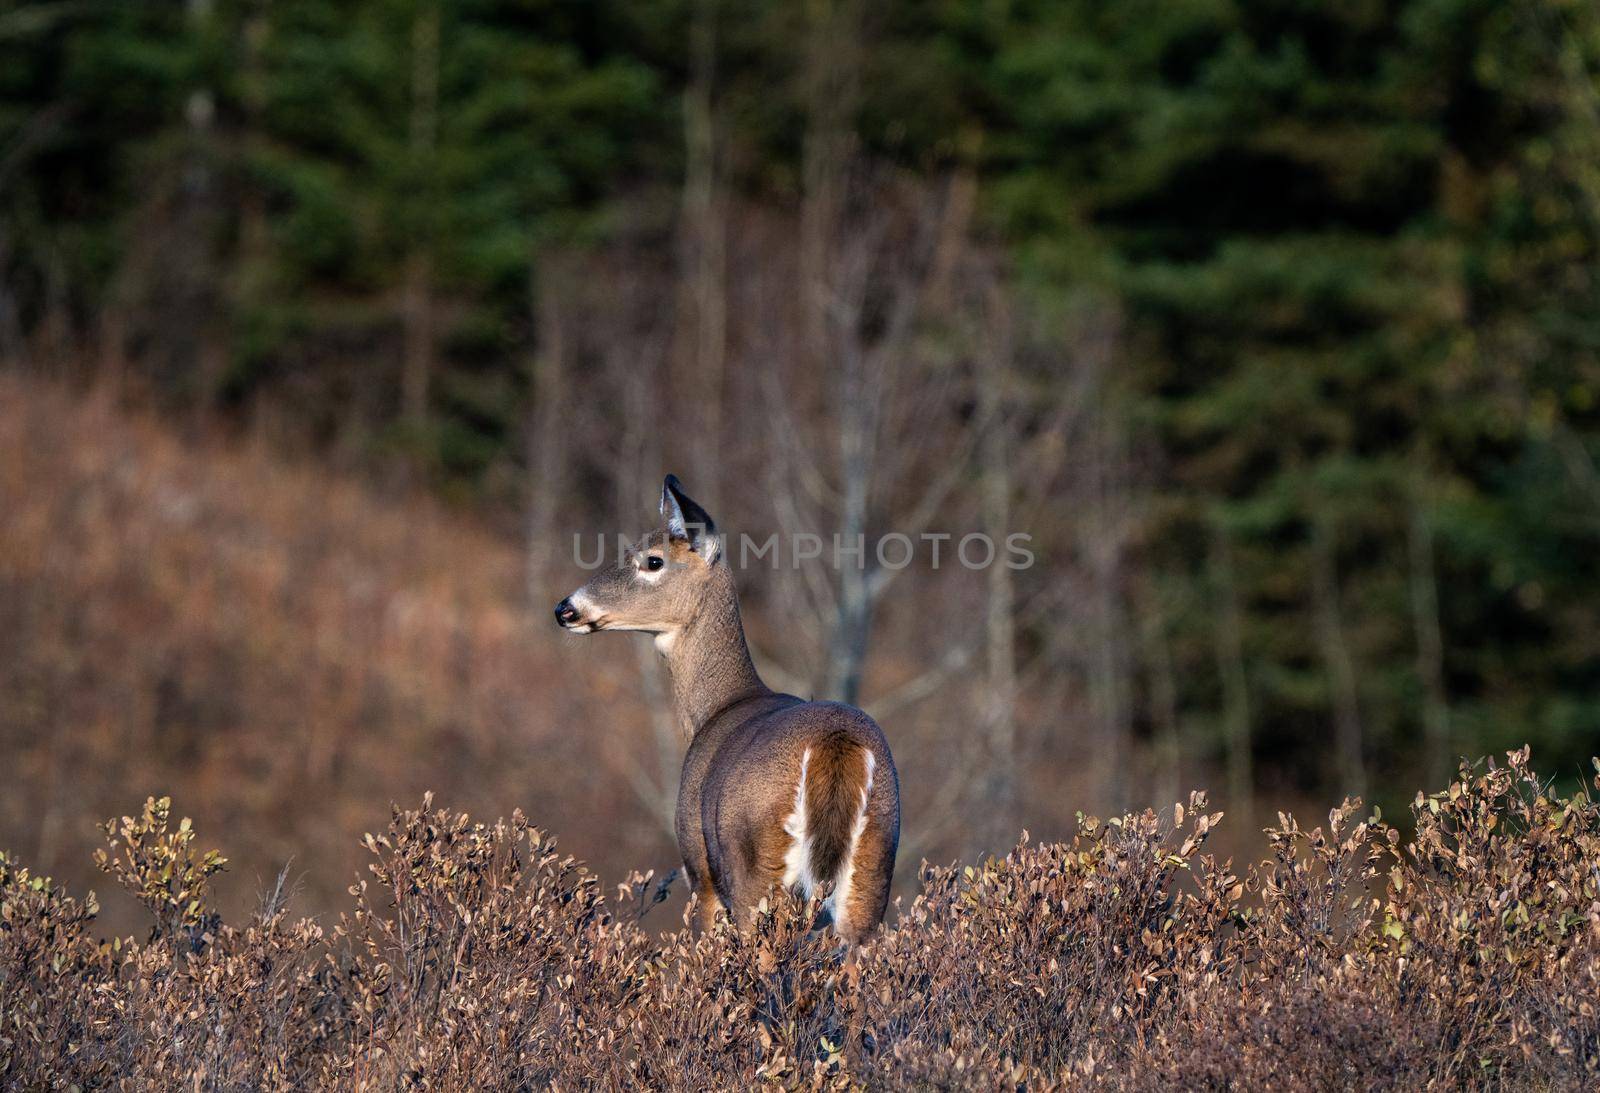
<point x="777" y="792"/>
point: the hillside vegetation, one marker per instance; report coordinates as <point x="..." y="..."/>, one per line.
<point x="285" y="649"/>
<point x="478" y="956"/>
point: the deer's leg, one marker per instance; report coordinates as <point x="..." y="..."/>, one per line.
<point x="867" y="897"/>
<point x="703" y="890"/>
<point x="758" y="873"/>
<point x="707" y="904"/>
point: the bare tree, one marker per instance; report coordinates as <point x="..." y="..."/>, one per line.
<point x="831" y="93"/>
<point x="629" y="356"/>
<point x="887" y="421"/>
<point x="1156" y="651"/>
<point x="416" y="299"/>
<point x="546" y="442"/>
<point x="1336" y="656"/>
<point x="201" y="208"/>
<point x="601" y="326"/>
<point x="1430" y="643"/>
<point x="1104" y="538"/>
<point x="1000" y="624"/>
<point x="1238" y="745"/>
<point x="703" y="308"/>
<point x="1038" y="398"/>
<point x="29" y="137"/>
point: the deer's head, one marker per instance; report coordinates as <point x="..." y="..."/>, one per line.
<point x="660" y="583"/>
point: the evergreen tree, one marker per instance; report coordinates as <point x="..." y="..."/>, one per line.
<point x="1314" y="218"/>
<point x="419" y="156"/>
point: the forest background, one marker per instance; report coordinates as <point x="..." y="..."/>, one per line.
<point x="325" y="327"/>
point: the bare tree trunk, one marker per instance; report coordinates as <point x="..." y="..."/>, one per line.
<point x="705" y="222"/>
<point x="1000" y="614"/>
<point x="832" y="88"/>
<point x="1430" y="645"/>
<point x="1163" y="694"/>
<point x="199" y="198"/>
<point x="547" y="444"/>
<point x="28" y="137"/>
<point x="1235" y="685"/>
<point x="637" y="448"/>
<point x="1336" y="659"/>
<point x="417" y="316"/>
<point x="848" y="645"/>
<point x="952" y="243"/>
<point x="248" y="274"/>
<point x="1109" y="662"/>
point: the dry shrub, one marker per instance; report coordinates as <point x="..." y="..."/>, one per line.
<point x="477" y="956"/>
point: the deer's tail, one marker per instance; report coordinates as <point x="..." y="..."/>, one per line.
<point x="838" y="784"/>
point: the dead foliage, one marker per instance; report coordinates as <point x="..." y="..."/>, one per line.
<point x="478" y="956"/>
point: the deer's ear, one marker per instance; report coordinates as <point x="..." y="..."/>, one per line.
<point x="686" y="520"/>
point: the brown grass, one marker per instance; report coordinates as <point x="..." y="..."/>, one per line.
<point x="479" y="957"/>
<point x="283" y="648"/>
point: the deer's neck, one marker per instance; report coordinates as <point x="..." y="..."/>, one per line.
<point x="709" y="660"/>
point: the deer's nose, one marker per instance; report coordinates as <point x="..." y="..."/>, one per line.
<point x="566" y="614"/>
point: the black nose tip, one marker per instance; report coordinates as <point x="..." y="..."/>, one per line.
<point x="566" y="614"/>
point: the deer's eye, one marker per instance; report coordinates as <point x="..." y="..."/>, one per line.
<point x="654" y="562"/>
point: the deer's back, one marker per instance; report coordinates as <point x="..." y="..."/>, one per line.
<point x="742" y="772"/>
